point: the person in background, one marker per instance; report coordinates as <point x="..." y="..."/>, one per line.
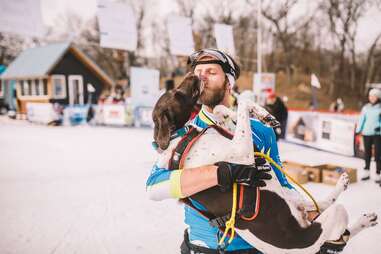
<point x="369" y="125"/>
<point x="170" y="83"/>
<point x="337" y="105"/>
<point x="278" y="109"/>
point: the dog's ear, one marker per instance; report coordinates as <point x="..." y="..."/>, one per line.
<point x="180" y="95"/>
<point x="162" y="132"/>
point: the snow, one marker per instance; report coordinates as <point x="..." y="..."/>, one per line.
<point x="82" y="190"/>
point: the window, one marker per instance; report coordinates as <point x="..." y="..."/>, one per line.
<point x="25" y="88"/>
<point x="59" y="86"/>
<point x="40" y="87"/>
<point x="1" y="88"/>
<point x="33" y="86"/>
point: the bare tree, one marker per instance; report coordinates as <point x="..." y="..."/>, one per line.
<point x="10" y="46"/>
<point x="343" y="17"/>
<point x="285" y="31"/>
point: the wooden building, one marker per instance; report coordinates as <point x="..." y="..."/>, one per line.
<point x="53" y="73"/>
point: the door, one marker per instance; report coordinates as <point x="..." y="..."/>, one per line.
<point x="76" y="92"/>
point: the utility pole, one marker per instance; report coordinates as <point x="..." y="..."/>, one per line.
<point x="259" y="39"/>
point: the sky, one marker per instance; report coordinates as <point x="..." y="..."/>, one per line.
<point x="368" y="28"/>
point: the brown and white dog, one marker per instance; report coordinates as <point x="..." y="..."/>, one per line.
<point x="281" y="225"/>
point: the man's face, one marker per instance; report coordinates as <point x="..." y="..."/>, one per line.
<point x="214" y="82"/>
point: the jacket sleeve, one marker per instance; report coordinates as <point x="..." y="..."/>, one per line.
<point x="164" y="184"/>
<point x="361" y="121"/>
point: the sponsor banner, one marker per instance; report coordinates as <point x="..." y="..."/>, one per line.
<point x="329" y="132"/>
<point x="42" y="113"/>
<point x="224" y="38"/>
<point x="114" y="114"/>
<point x="21" y="17"/>
<point x="117" y="25"/>
<point x="75" y="115"/>
<point x="144" y="86"/>
<point x="180" y="35"/>
<point x="261" y="85"/>
<point x="143" y="117"/>
<point x="336" y="135"/>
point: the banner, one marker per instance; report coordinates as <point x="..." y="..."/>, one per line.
<point x="144" y="86"/>
<point x="336" y="135"/>
<point x="224" y="38"/>
<point x="262" y="83"/>
<point x="42" y="113"/>
<point x="329" y="132"/>
<point x="143" y="117"/>
<point x="117" y="25"/>
<point x="21" y="17"/>
<point x="180" y="35"/>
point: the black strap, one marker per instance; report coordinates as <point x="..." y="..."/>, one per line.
<point x="177" y="154"/>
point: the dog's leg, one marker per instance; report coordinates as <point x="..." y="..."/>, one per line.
<point x="365" y="221"/>
<point x="241" y="150"/>
<point x="333" y="223"/>
<point x="255" y="111"/>
<point x="341" y="185"/>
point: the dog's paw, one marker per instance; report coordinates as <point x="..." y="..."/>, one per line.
<point x="343" y="182"/>
<point x="368" y="220"/>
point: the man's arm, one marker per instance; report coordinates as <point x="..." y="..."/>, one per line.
<point x="183" y="183"/>
<point x="163" y="183"/>
<point x="198" y="179"/>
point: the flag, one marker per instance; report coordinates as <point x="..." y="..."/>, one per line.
<point x="315" y="81"/>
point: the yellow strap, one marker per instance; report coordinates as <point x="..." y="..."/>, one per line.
<point x="229" y="225"/>
<point x="269" y="159"/>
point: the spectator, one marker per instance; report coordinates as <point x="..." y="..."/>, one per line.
<point x="278" y="109"/>
<point x="337" y="105"/>
<point x="369" y="125"/>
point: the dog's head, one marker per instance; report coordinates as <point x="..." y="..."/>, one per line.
<point x="174" y="108"/>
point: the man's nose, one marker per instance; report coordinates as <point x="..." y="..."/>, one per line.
<point x="202" y="77"/>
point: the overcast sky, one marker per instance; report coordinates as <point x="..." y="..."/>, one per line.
<point x="369" y="26"/>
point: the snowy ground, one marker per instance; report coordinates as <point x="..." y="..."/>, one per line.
<point x="82" y="190"/>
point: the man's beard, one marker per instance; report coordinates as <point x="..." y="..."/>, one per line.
<point x="213" y="97"/>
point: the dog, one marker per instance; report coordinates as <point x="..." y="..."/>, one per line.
<point x="281" y="225"/>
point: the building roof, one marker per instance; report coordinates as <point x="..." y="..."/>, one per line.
<point x="39" y="61"/>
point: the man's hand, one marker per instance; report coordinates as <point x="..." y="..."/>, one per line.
<point x="249" y="175"/>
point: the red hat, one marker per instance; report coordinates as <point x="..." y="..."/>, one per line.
<point x="271" y="94"/>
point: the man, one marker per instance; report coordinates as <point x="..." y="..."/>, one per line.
<point x="218" y="73"/>
<point x="278" y="109"/>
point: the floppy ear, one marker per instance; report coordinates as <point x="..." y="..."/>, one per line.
<point x="162" y="132"/>
<point x="180" y="95"/>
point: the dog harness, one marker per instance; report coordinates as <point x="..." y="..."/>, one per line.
<point x="245" y="211"/>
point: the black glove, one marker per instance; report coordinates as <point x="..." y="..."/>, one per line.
<point x="249" y="175"/>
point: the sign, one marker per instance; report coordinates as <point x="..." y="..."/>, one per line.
<point x="261" y="84"/>
<point x="117" y="25"/>
<point x="143" y="117"/>
<point x="180" y="35"/>
<point x="144" y="86"/>
<point x="42" y="113"/>
<point x="224" y="38"/>
<point x="336" y="135"/>
<point x="326" y="131"/>
<point x="21" y="17"/>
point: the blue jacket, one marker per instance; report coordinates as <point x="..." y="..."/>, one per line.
<point x="370" y="119"/>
